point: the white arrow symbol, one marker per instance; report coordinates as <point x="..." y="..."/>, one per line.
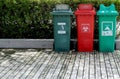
<point x="107" y="28"/>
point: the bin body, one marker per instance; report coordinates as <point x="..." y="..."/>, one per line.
<point x="62" y="29"/>
<point x="85" y="27"/>
<point x="107" y="28"/>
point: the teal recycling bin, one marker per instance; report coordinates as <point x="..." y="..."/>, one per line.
<point x="107" y="27"/>
<point x="62" y="27"/>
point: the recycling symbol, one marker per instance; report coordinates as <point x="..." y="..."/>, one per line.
<point x="107" y="28"/>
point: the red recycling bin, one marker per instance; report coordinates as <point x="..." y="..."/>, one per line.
<point x="85" y="14"/>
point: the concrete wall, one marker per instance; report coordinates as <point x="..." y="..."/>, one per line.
<point x="41" y="43"/>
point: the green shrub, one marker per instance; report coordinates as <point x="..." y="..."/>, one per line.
<point x="32" y="19"/>
<point x="25" y="19"/>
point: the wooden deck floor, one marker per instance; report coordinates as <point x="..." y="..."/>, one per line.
<point x="46" y="64"/>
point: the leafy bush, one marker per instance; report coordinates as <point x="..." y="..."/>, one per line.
<point x="32" y="19"/>
<point x="25" y="19"/>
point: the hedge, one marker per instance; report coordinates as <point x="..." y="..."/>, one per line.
<point x="32" y="18"/>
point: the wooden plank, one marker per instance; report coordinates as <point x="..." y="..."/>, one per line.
<point x="18" y="69"/>
<point x="59" y="75"/>
<point x="2" y="68"/>
<point x="41" y="60"/>
<point x="68" y="70"/>
<point x="21" y="70"/>
<point x="108" y="66"/>
<point x="43" y="65"/>
<point x="16" y="65"/>
<point x="103" y="67"/>
<point x="48" y="66"/>
<point x="86" y="66"/>
<point x="53" y="67"/>
<point x="9" y="65"/>
<point x="116" y="60"/>
<point x="92" y="66"/>
<point x="64" y="66"/>
<point x="2" y="59"/>
<point x="28" y="71"/>
<point x="117" y="52"/>
<point x="75" y="67"/>
<point x="113" y="66"/>
<point x="58" y="68"/>
<point x="2" y="62"/>
<point x="81" y="66"/>
<point x="98" y="74"/>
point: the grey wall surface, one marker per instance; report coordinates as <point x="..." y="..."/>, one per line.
<point x="41" y="43"/>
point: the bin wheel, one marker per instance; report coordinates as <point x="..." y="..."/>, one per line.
<point x="115" y="46"/>
<point x="76" y="49"/>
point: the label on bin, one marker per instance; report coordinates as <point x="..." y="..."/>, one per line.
<point x="85" y="27"/>
<point x="61" y="23"/>
<point x="61" y="32"/>
<point x="107" y="28"/>
<point x="61" y="28"/>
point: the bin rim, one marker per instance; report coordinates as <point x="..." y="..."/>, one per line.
<point x="85" y="7"/>
<point x="68" y="10"/>
<point x="84" y="12"/>
<point x="107" y="13"/>
<point x="62" y="12"/>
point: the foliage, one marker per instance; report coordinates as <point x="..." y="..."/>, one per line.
<point x="32" y="18"/>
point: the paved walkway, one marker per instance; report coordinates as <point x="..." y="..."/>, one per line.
<point x="46" y="64"/>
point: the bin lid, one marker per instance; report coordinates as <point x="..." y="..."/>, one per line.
<point x="109" y="10"/>
<point x="85" y="9"/>
<point x="62" y="9"/>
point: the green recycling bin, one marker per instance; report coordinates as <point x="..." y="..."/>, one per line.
<point x="62" y="27"/>
<point x="107" y="27"/>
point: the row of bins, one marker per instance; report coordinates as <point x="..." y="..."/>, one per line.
<point x="85" y="21"/>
